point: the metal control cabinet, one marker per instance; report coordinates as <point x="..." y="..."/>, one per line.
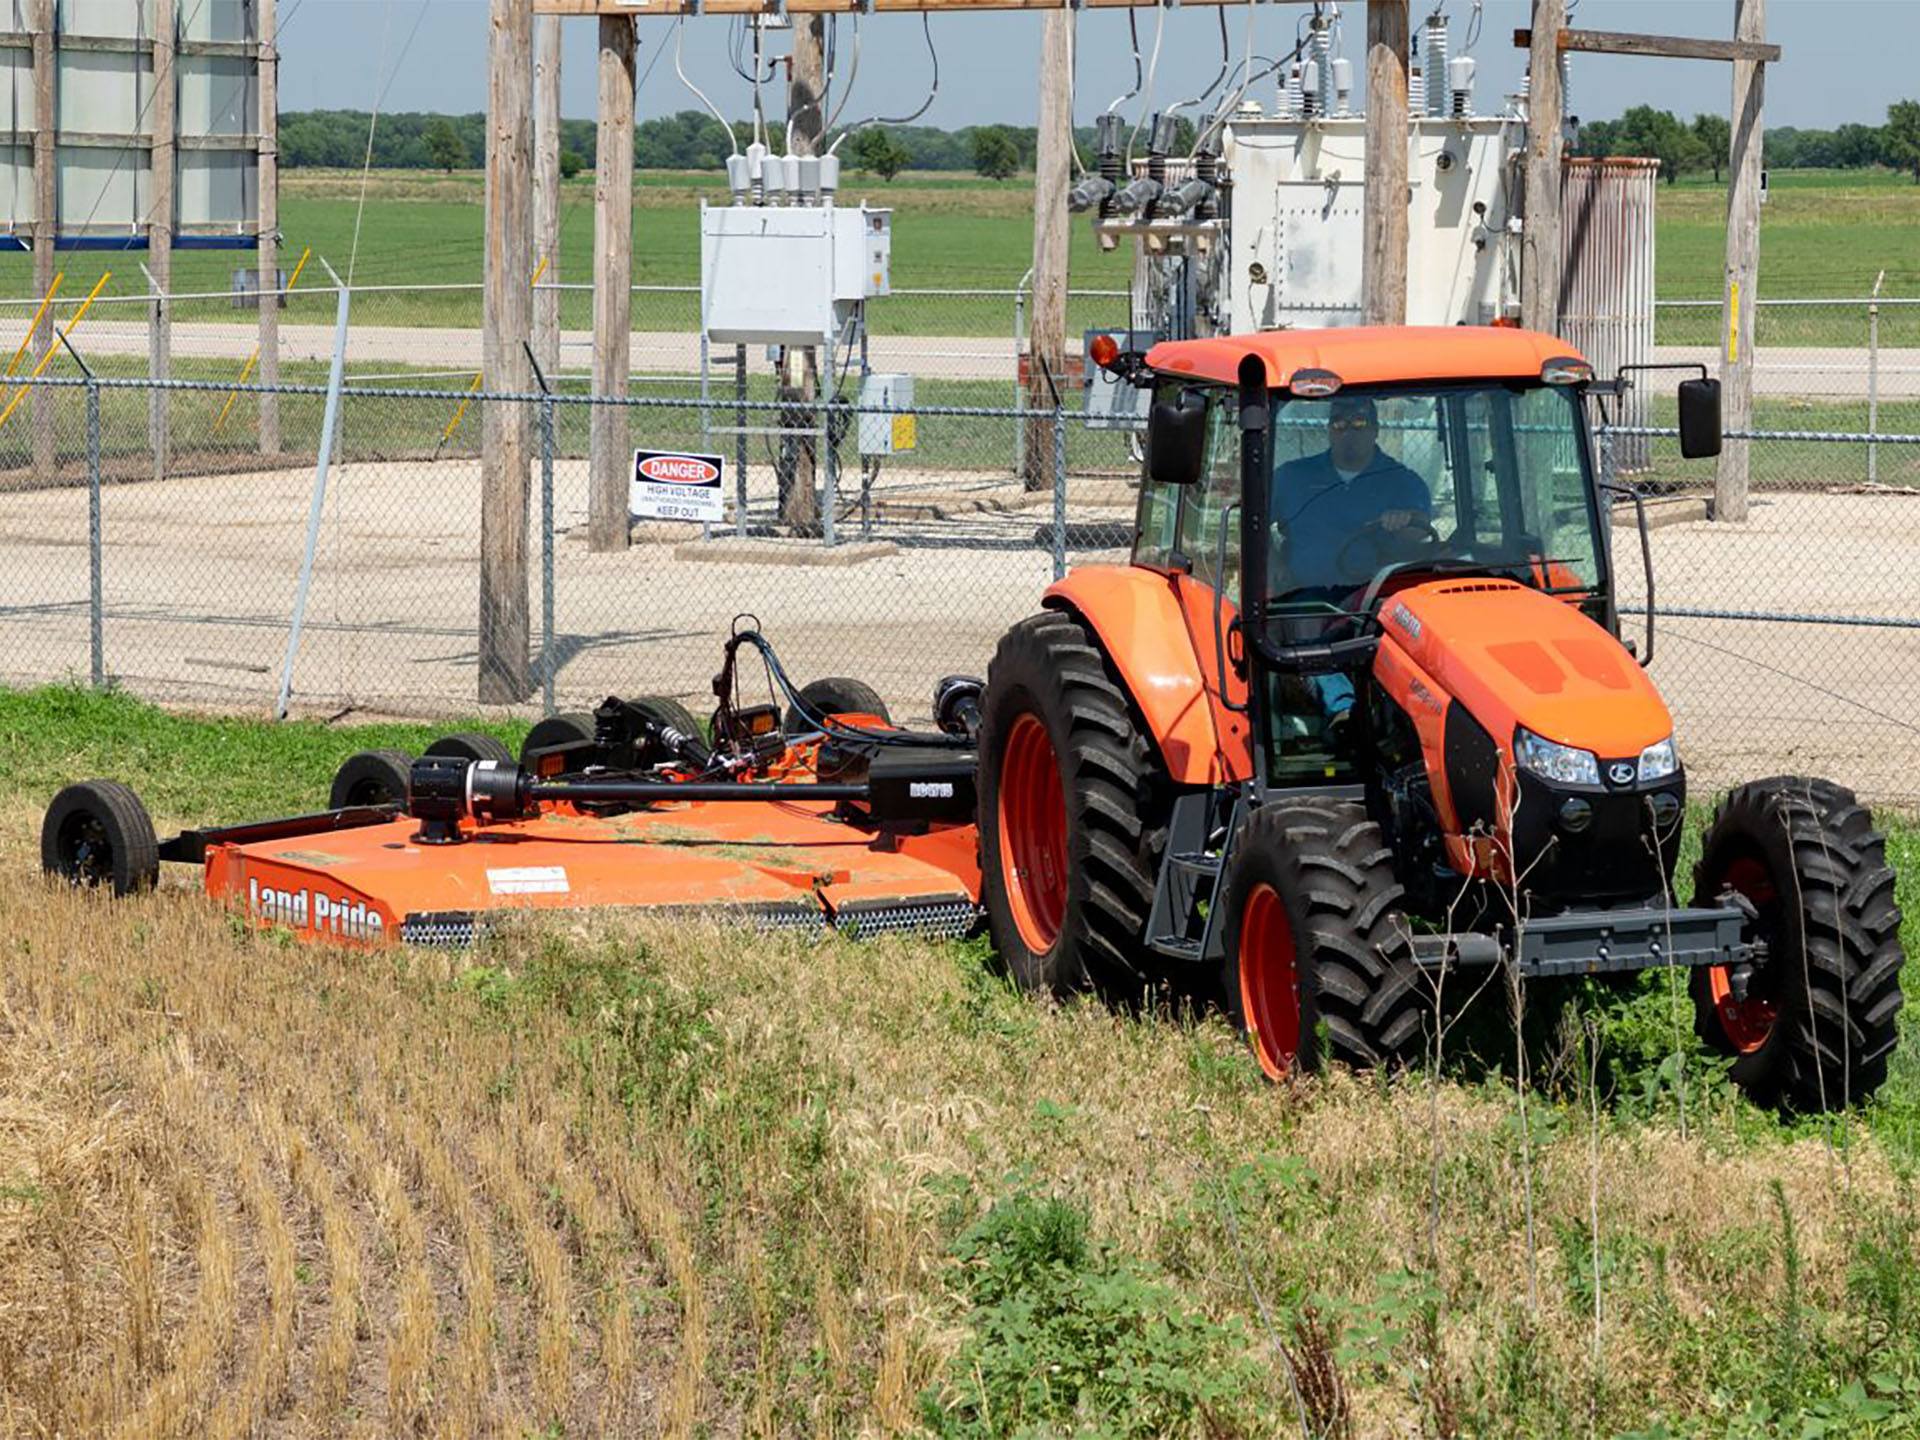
<point x="886" y="434"/>
<point x="789" y="275"/>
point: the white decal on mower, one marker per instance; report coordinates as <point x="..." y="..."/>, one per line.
<point x="314" y="910"/>
<point x="930" y="789"/>
<point x="529" y="880"/>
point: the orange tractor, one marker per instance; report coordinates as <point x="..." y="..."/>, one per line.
<point x="1360" y="710"/>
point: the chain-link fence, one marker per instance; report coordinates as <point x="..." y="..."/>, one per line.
<point x="1790" y="641"/>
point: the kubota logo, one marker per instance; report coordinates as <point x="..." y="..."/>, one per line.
<point x="679" y="469"/>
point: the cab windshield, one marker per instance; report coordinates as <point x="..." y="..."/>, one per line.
<point x="1488" y="476"/>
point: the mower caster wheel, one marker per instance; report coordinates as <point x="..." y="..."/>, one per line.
<point x="1813" y="1027"/>
<point x="471" y="745"/>
<point x="835" y="695"/>
<point x="1319" y="960"/>
<point x="98" y="833"/>
<point x="570" y="727"/>
<point x="373" y="777"/>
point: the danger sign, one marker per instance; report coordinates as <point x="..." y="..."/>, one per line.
<point x="674" y="485"/>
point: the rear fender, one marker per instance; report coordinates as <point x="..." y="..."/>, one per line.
<point x="1141" y="624"/>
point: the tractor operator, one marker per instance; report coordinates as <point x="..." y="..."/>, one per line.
<point x="1323" y="503"/>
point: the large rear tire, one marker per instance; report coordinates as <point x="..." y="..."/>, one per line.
<point x="98" y="833"/>
<point x="1818" y="1022"/>
<point x="1319" y="958"/>
<point x="1072" y="813"/>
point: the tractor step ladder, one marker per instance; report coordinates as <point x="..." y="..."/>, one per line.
<point x="1184" y="923"/>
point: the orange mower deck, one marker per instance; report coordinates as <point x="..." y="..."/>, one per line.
<point x="778" y="864"/>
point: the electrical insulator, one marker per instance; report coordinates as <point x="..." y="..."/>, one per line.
<point x="1436" y="66"/>
<point x="1342" y="85"/>
<point x="1416" y="91"/>
<point x="1310" y="88"/>
<point x="1460" y="82"/>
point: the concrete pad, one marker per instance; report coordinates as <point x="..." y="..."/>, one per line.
<point x="784" y="552"/>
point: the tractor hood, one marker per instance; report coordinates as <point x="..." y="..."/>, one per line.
<point x="1514" y="656"/>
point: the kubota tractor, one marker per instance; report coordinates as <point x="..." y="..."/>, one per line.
<point x="1360" y="710"/>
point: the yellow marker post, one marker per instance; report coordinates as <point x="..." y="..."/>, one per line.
<point x="1733" y="325"/>
<point x="461" y="412"/>
<point x="47" y="359"/>
<point x="254" y="358"/>
<point x="33" y="329"/>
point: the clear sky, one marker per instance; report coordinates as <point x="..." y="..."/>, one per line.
<point x="1844" y="59"/>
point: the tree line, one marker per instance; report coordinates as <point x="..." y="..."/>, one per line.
<point x="1700" y="145"/>
<point x="689" y="140"/>
<point x="694" y="140"/>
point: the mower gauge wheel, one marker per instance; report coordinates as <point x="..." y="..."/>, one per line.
<point x="98" y="833"/>
<point x="373" y="777"/>
<point x="835" y="695"/>
<point x="471" y="745"/>
<point x="570" y="727"/>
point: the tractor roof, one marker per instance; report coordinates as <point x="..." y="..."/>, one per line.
<point x="1368" y="354"/>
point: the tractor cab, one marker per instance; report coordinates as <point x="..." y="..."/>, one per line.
<point x="1327" y="500"/>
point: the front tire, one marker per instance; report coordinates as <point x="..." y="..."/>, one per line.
<point x="1319" y="959"/>
<point x="1818" y="1023"/>
<point x="98" y="833"/>
<point x="1072" y="813"/>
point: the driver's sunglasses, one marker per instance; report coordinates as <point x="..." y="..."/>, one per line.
<point x="1352" y="422"/>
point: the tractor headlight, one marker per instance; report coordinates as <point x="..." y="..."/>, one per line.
<point x="1658" y="761"/>
<point x="1562" y="764"/>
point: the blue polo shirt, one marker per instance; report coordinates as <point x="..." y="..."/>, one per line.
<point x="1318" y="512"/>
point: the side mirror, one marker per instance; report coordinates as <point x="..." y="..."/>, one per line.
<point x="1699" y="419"/>
<point x="1177" y="439"/>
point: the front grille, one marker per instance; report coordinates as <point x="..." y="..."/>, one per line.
<point x="444" y="930"/>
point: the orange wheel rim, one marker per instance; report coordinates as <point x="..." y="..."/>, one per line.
<point x="1746" y="1023"/>
<point x="1033" y="834"/>
<point x="1270" y="981"/>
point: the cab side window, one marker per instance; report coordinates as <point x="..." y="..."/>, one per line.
<point x="1212" y="503"/>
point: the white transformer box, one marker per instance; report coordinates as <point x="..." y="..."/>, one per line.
<point x="1297" y="237"/>
<point x="883" y="433"/>
<point x="789" y="275"/>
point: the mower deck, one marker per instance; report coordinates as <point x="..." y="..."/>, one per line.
<point x="779" y="863"/>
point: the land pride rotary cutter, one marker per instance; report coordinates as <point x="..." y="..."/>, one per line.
<point x="1359" y="712"/>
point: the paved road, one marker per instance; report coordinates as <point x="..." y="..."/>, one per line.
<point x="1836" y="372"/>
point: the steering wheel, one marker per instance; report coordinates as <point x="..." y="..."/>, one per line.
<point x="1385" y="547"/>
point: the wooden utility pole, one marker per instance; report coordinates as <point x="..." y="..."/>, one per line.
<point x="1383" y="268"/>
<point x="504" y="672"/>
<point x="1743" y="261"/>
<point x="546" y="190"/>
<point x="1540" y="257"/>
<point x="46" y="226"/>
<point x="1052" y="175"/>
<point x="799" y="387"/>
<point x="269" y="229"/>
<point x="160" y="220"/>
<point x="610" y="457"/>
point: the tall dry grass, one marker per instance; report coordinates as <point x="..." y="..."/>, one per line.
<point x="634" y="1179"/>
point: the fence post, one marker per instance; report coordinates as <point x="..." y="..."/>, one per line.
<point x="1019" y="345"/>
<point x="548" y="655"/>
<point x="1059" y="491"/>
<point x="1873" y="380"/>
<point x="96" y="606"/>
<point x="830" y="500"/>
<point x="740" y="441"/>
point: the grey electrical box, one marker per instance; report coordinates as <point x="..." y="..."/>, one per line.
<point x="886" y="434"/>
<point x="789" y="274"/>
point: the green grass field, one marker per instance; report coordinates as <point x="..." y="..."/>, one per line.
<point x="602" y="1176"/>
<point x="1823" y="235"/>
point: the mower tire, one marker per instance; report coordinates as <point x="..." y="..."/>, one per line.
<point x="835" y="695"/>
<point x="1072" y="807"/>
<point x="569" y="727"/>
<point x="1817" y="1025"/>
<point x="471" y="745"/>
<point x="373" y="777"/>
<point x="1319" y="958"/>
<point x="98" y="833"/>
